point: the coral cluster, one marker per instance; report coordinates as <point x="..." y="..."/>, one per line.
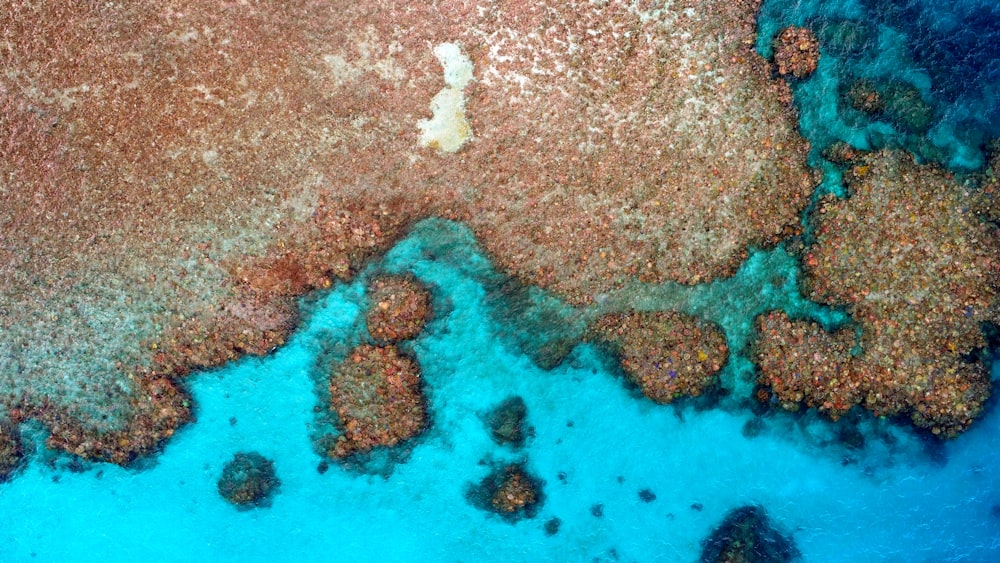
<point x="11" y="450"/>
<point x="508" y="491"/>
<point x="908" y="256"/>
<point x="746" y="535"/>
<point x="248" y="481"/>
<point x="168" y="190"/>
<point x="667" y="354"/>
<point x="507" y="422"/>
<point x="399" y="308"/>
<point x="376" y="394"/>
<point x="796" y="52"/>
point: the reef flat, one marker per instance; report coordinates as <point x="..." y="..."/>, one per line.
<point x="168" y="188"/>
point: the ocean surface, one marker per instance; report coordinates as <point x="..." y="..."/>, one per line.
<point x="863" y="489"/>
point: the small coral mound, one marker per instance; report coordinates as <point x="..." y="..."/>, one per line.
<point x="746" y="536"/>
<point x="510" y="492"/>
<point x="399" y="308"/>
<point x="248" y="481"/>
<point x="796" y="52"/>
<point x="11" y="451"/>
<point x="506" y="422"/>
<point x="917" y="269"/>
<point x="667" y="354"/>
<point x="376" y="393"/>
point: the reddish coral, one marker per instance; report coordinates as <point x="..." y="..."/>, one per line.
<point x="666" y="354"/>
<point x="917" y="269"/>
<point x="376" y="393"/>
<point x="796" y="52"/>
<point x="398" y="308"/>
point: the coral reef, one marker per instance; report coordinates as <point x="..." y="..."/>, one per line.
<point x="908" y="256"/>
<point x="399" y="308"/>
<point x="248" y="481"/>
<point x="510" y="492"/>
<point x="376" y="394"/>
<point x="667" y="354"/>
<point x="507" y="422"/>
<point x="747" y="536"/>
<point x="11" y="450"/>
<point x="796" y="52"/>
<point x="863" y="95"/>
<point x="169" y="189"/>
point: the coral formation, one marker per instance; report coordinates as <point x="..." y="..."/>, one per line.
<point x="747" y="536"/>
<point x="399" y="308"/>
<point x="507" y="422"/>
<point x="667" y="354"/>
<point x="376" y="394"/>
<point x="908" y="256"/>
<point x="168" y="190"/>
<point x="11" y="450"/>
<point x="248" y="481"/>
<point x="796" y="52"/>
<point x="510" y="492"/>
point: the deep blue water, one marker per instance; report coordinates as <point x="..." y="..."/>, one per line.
<point x="899" y="498"/>
<point x="948" y="51"/>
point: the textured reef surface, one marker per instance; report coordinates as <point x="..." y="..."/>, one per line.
<point x="444" y="238"/>
<point x="169" y="189"/>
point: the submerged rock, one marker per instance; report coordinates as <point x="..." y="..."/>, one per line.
<point x="376" y="393"/>
<point x="746" y="536"/>
<point x="863" y="95"/>
<point x="398" y="308"/>
<point x="666" y="354"/>
<point x="507" y="422"/>
<point x="248" y="481"/>
<point x="510" y="492"/>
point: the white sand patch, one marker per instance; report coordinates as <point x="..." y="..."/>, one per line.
<point x="448" y="130"/>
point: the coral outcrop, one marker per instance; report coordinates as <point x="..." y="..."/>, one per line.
<point x="376" y="394"/>
<point x="796" y="52"/>
<point x="666" y="354"/>
<point x="398" y="308"/>
<point x="248" y="481"/>
<point x="916" y="266"/>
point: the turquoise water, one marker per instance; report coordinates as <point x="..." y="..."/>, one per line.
<point x="595" y="440"/>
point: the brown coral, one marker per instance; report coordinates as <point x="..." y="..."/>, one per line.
<point x="917" y="269"/>
<point x="796" y="52"/>
<point x="169" y="189"/>
<point x="667" y="354"/>
<point x="376" y="393"/>
<point x="398" y="308"/>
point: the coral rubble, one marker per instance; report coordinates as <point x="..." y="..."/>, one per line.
<point x="907" y="255"/>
